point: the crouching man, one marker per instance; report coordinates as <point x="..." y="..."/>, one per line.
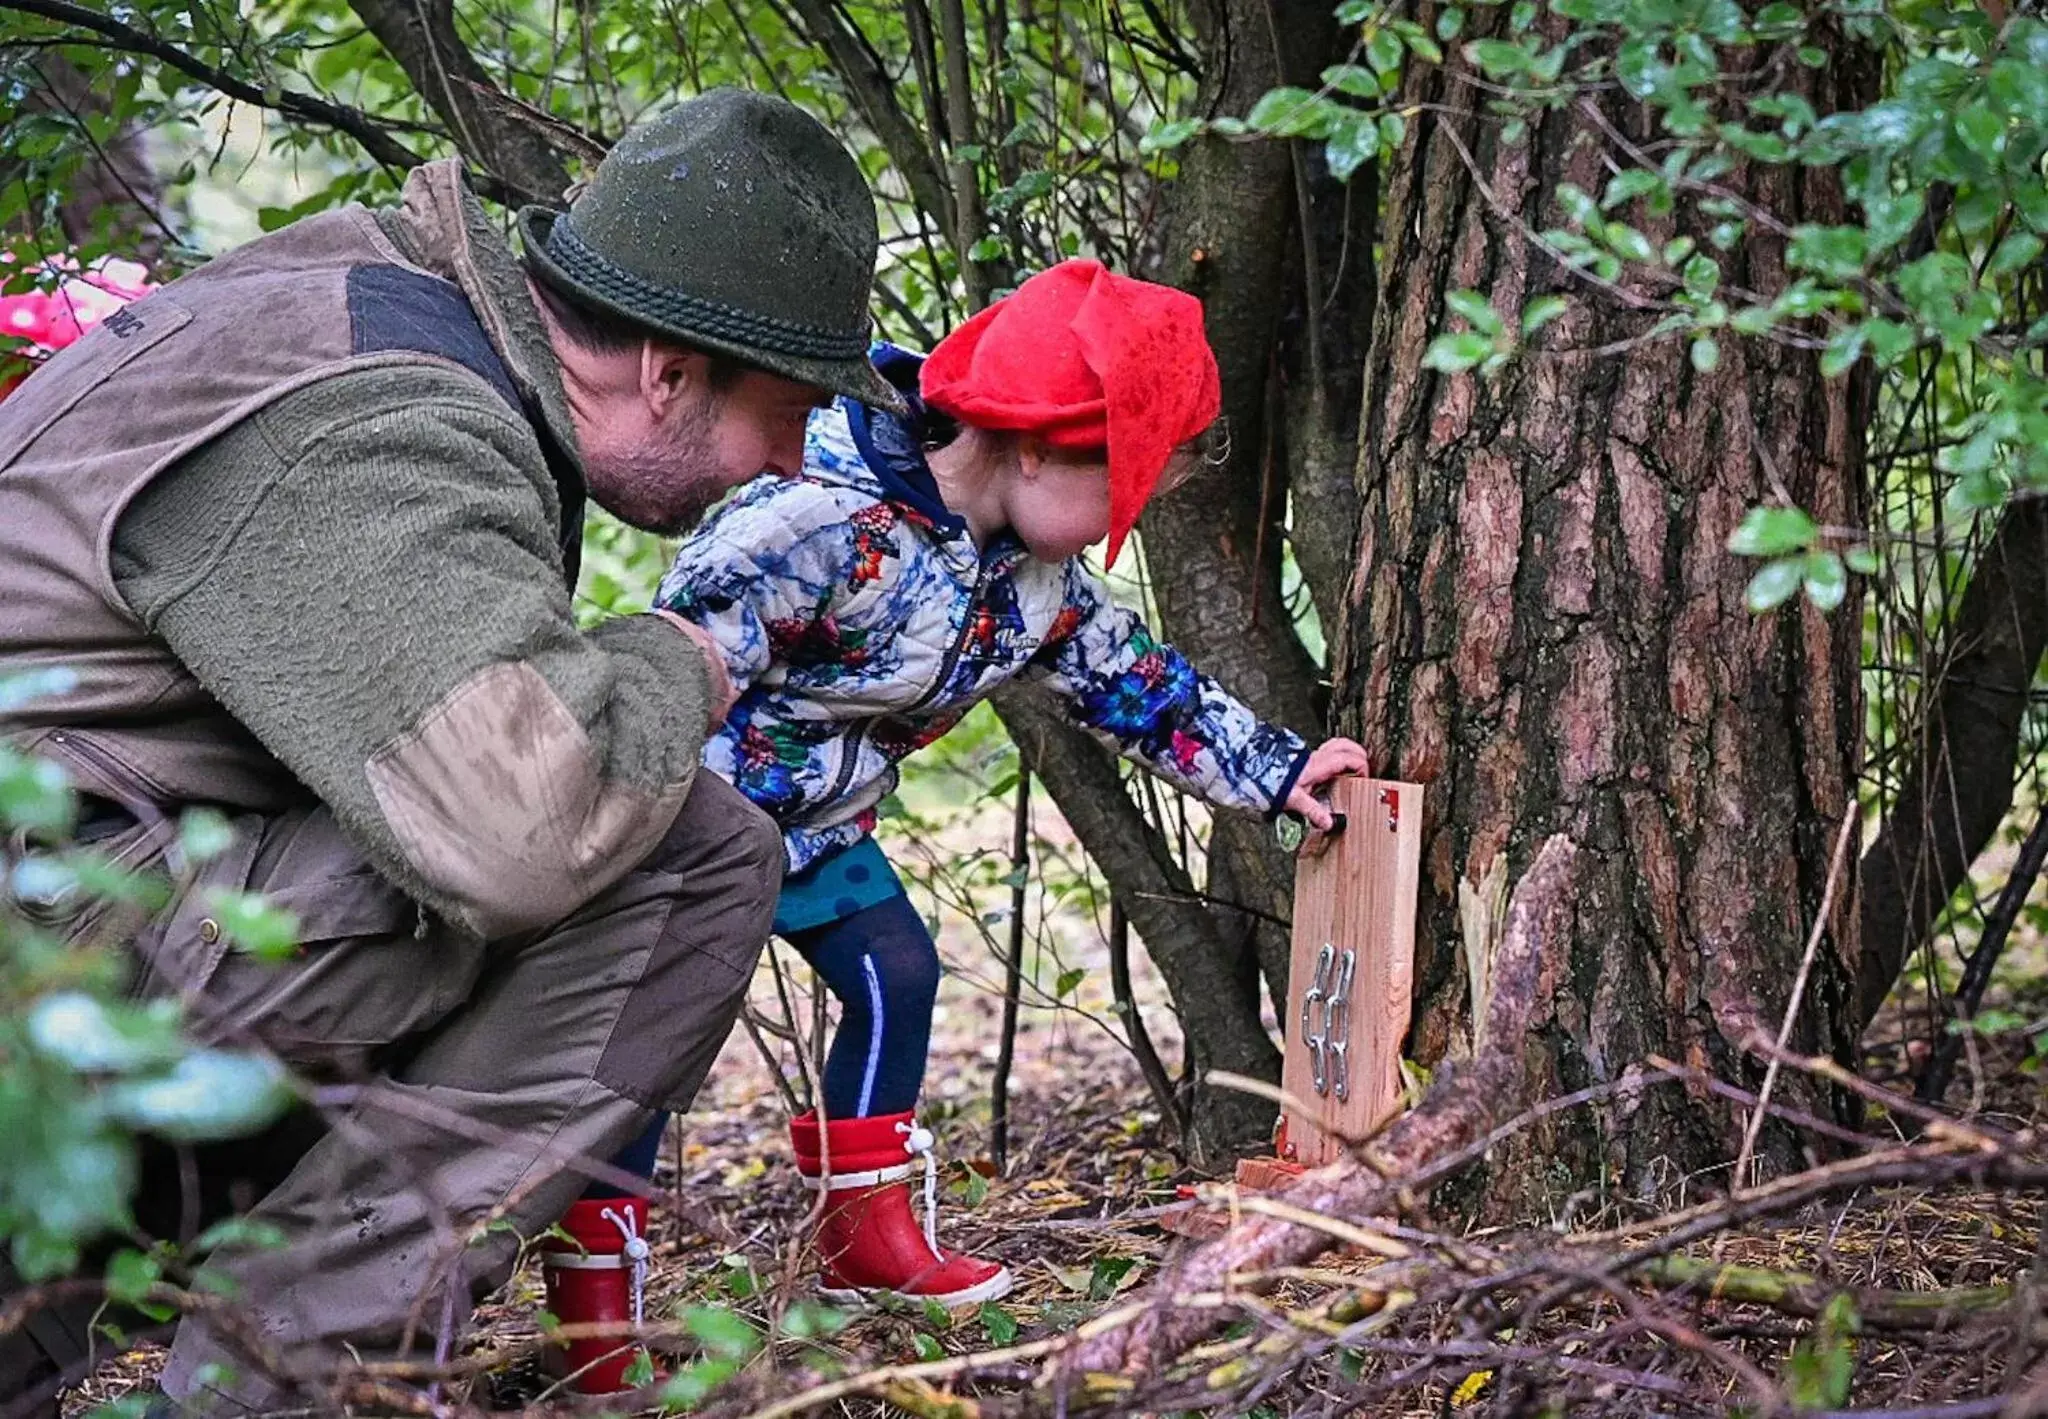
<point x="303" y="525"/>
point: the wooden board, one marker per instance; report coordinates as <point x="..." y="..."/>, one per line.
<point x="1355" y="901"/>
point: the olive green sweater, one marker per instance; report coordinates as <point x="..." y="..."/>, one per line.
<point x="343" y="568"/>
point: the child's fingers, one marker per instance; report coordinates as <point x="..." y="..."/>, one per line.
<point x="1311" y="809"/>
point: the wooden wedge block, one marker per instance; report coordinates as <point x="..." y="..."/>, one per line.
<point x="1352" y="969"/>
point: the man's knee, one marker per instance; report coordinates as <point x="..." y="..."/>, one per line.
<point x="718" y="869"/>
<point x="718" y="831"/>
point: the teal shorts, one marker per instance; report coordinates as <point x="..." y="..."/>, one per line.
<point x="835" y="887"/>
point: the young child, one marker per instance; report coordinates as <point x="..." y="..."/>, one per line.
<point x="865" y="603"/>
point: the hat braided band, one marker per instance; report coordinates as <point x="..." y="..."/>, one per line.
<point x="661" y="305"/>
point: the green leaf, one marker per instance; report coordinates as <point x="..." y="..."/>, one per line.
<point x="130" y="1274"/>
<point x="1845" y="348"/>
<point x="927" y="1347"/>
<point x="1629" y="244"/>
<point x="1353" y="79"/>
<point x="1383" y="52"/>
<point x="1706" y="354"/>
<point x="1295" y="113"/>
<point x="1168" y="136"/>
<point x="1862" y="558"/>
<point x="2017" y="251"/>
<point x="1826" y="581"/>
<point x="1773" y="532"/>
<point x="1069" y="981"/>
<point x="242" y="1233"/>
<point x="1836" y="253"/>
<point x="724" y="1334"/>
<point x="1498" y="58"/>
<point x="997" y="1324"/>
<point x="1629" y="184"/>
<point x="1354" y="144"/>
<point x="1450" y="23"/>
<point x="209" y="1094"/>
<point x="1702" y="275"/>
<point x="1454" y="354"/>
<point x="987" y="249"/>
<point x="204" y="834"/>
<point x="1821" y="1370"/>
<point x="1778" y="580"/>
<point x="639" y="1371"/>
<point x="1110" y="1275"/>
<point x="1476" y="310"/>
<point x="32" y="685"/>
<point x="693" y="1384"/>
<point x="813" y="1320"/>
<point x="1540" y="312"/>
<point x="252" y="924"/>
<point x="1425" y="48"/>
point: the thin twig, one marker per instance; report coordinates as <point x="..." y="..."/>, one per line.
<point x="1850" y="817"/>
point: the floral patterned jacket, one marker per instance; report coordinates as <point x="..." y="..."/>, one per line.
<point x="860" y="623"/>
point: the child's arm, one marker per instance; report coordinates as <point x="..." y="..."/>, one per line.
<point x="763" y="573"/>
<point x="1114" y="677"/>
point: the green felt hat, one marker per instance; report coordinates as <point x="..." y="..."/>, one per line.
<point x="735" y="223"/>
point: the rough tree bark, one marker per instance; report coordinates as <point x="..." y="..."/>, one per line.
<point x="1958" y="784"/>
<point x="1544" y="628"/>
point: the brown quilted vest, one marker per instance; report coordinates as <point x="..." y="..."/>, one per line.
<point x="88" y="431"/>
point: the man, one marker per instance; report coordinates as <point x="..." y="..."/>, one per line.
<point x="304" y="525"/>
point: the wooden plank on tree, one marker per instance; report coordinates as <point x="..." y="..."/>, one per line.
<point x="1354" y="944"/>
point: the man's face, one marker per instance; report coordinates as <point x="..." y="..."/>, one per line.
<point x="659" y="465"/>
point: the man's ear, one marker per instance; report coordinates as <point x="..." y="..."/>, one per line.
<point x="670" y="376"/>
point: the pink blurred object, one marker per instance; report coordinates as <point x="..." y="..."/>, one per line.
<point x="44" y="322"/>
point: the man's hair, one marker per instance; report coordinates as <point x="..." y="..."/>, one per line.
<point x="602" y="332"/>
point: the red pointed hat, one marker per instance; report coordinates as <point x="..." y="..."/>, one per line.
<point x="1086" y="358"/>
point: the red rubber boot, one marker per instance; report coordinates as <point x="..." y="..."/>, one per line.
<point x="603" y="1283"/>
<point x="867" y="1240"/>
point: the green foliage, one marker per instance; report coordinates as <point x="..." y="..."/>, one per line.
<point x="1963" y="121"/>
<point x="84" y="1069"/>
<point x="1822" y="1366"/>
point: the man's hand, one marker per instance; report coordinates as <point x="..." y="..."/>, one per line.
<point x="722" y="691"/>
<point x="1332" y="759"/>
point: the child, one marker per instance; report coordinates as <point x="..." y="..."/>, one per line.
<point x="912" y="566"/>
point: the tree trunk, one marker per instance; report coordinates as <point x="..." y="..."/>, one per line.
<point x="1958" y="784"/>
<point x="1231" y="232"/>
<point x="1545" y="629"/>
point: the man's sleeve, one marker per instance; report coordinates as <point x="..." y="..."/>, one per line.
<point x="1114" y="677"/>
<point x="365" y="575"/>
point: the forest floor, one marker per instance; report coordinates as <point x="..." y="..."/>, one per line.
<point x="1076" y="1217"/>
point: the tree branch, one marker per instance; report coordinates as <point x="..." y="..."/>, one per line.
<point x="366" y="130"/>
<point x="1957" y="791"/>
<point x="494" y="132"/>
<point x="874" y="95"/>
<point x="1203" y="970"/>
<point x="1460" y="1107"/>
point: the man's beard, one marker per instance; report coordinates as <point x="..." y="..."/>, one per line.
<point x="666" y="482"/>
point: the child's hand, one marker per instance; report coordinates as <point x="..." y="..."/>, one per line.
<point x="1332" y="759"/>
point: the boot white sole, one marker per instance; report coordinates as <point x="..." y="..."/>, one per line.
<point x="993" y="1289"/>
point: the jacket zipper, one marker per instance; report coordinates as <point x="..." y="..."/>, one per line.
<point x="959" y="647"/>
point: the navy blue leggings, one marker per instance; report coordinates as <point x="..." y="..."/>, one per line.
<point x="883" y="966"/>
